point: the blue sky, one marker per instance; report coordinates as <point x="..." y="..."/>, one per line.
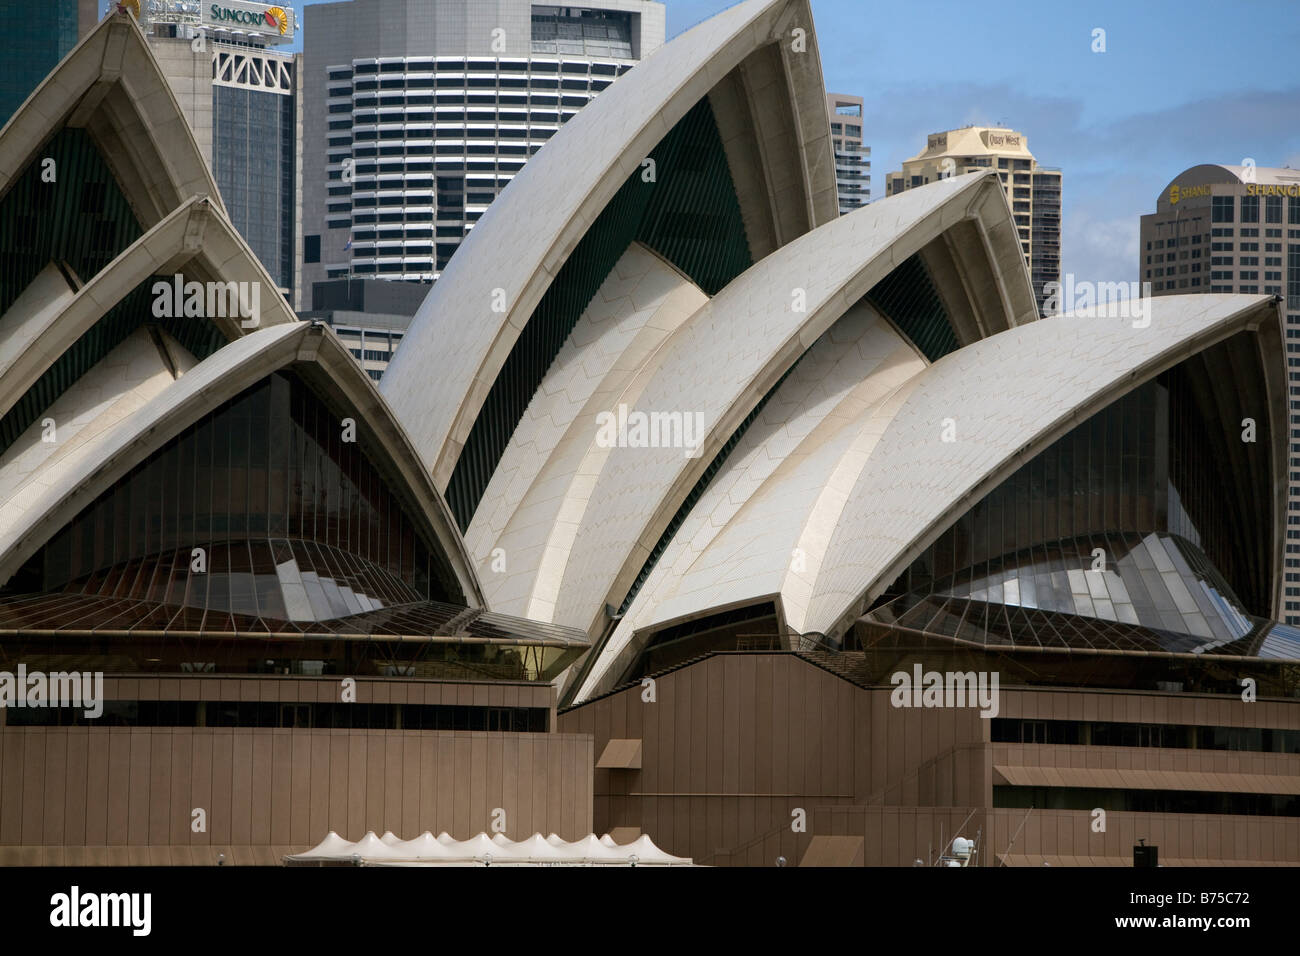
<point x="1180" y="83"/>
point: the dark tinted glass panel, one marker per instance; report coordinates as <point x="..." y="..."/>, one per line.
<point x="1152" y="485"/>
<point x="272" y="461"/>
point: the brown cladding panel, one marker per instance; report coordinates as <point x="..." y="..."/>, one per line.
<point x="262" y="786"/>
<point x="202" y="789"/>
<point x="33" y="785"/>
<point x="375" y="780"/>
<point x="151" y="779"/>
<point x="522" y="770"/>
<point x="318" y="788"/>
<point x="338" y="807"/>
<point x="391" y="804"/>
<point x="182" y="776"/>
<point x="241" y="789"/>
<point x="56" y="768"/>
<point x="159" y="793"/>
<point x="74" y="798"/>
<point x="118" y="789"/>
<point x="11" y="787"/>
<point x="358" y="779"/>
<point x="280" y="776"/>
<point x="508" y="773"/>
<point x="459" y="788"/>
<point x="494" y="793"/>
<point x="410" y="824"/>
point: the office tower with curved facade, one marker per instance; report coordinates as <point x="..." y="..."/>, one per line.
<point x="422" y="113"/>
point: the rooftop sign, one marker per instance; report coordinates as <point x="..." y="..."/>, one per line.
<point x="274" y="23"/>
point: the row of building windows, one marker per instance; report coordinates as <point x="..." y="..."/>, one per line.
<point x="1227" y="233"/>
<point x="417" y="65"/>
<point x="459" y="100"/>
<point x="1147" y="801"/>
<point x="456" y="150"/>
<point x="457" y="115"/>
<point x="409" y="232"/>
<point x="1118" y="734"/>
<point x="401" y="184"/>
<point x="417" y="217"/>
<point x="461" y="85"/>
<point x="189" y="713"/>
<point x="1222" y="209"/>
<point x="490" y="132"/>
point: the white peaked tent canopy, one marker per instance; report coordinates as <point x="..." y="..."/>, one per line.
<point x="482" y="850"/>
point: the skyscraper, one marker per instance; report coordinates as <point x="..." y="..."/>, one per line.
<point x="1236" y="229"/>
<point x="241" y="98"/>
<point x="1033" y="190"/>
<point x="852" y="159"/>
<point x="34" y="44"/>
<point x="421" y="113"/>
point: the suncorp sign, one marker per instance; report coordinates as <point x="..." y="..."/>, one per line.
<point x="275" y="23"/>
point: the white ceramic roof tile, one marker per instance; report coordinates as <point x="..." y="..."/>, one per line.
<point x="861" y="498"/>
<point x="777" y="491"/>
<point x="721" y="363"/>
<point x="535" y="500"/>
<point x="128" y="377"/>
<point x="529" y="231"/>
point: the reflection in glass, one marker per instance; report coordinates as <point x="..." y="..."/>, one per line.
<point x="273" y="457"/>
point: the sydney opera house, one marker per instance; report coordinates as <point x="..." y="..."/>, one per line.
<point x="679" y="489"/>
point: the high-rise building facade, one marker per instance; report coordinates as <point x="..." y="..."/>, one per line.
<point x="1033" y="190"/>
<point x="34" y="41"/>
<point x="421" y="113"/>
<point x="1236" y="229"/>
<point x="241" y="97"/>
<point x="852" y="159"/>
<point x="370" y="316"/>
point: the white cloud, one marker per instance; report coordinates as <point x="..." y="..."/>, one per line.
<point x="1100" y="247"/>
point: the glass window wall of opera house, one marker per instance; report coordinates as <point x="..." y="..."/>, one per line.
<point x="258" y="540"/>
<point x="1114" y="557"/>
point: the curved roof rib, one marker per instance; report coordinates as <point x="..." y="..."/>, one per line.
<point x="758" y="533"/>
<point x="1064" y="368"/>
<point x="822" y="476"/>
<point x="516" y="250"/>
<point x="532" y="503"/>
<point x="731" y="354"/>
<point x="48" y="499"/>
<point x="195" y="239"/>
<point x="111" y="86"/>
